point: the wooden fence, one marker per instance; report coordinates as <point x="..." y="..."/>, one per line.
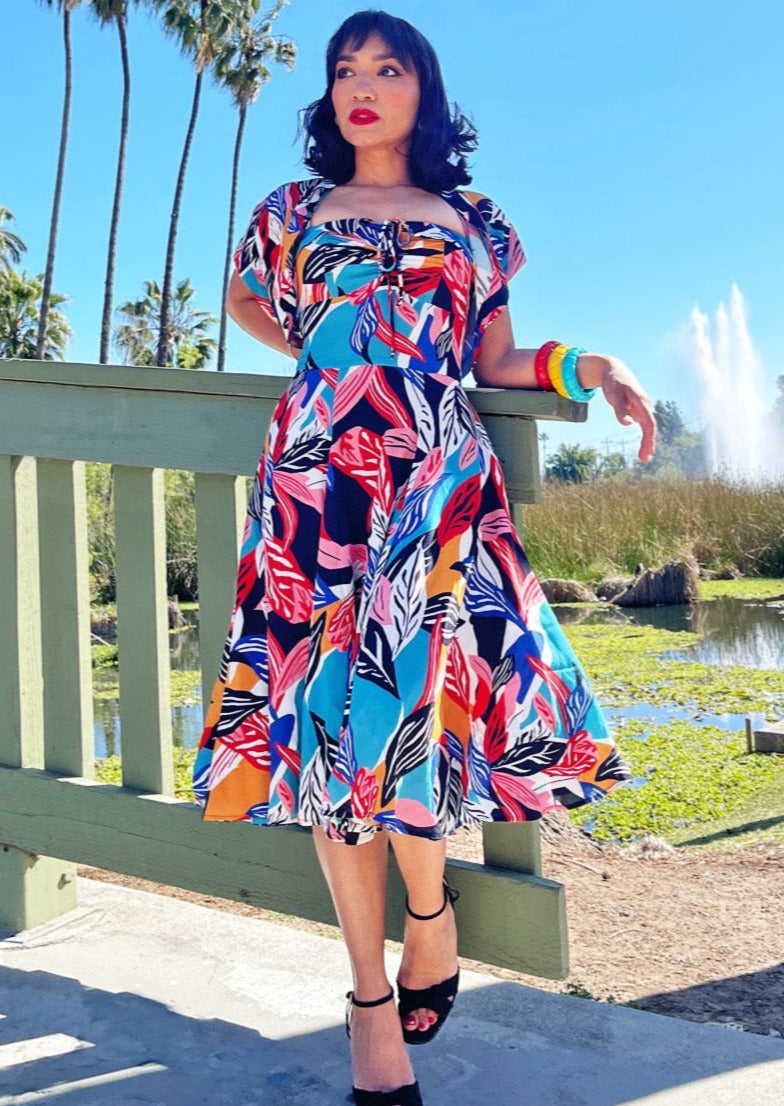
<point x="53" y="813"/>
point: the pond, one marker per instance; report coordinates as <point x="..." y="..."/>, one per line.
<point x="735" y="632"/>
<point x="186" y="719"/>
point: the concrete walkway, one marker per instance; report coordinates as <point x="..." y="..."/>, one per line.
<point x="143" y="1000"/>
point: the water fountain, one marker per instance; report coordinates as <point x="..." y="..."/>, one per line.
<point x="741" y="441"/>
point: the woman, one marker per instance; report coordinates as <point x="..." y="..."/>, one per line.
<point x="392" y="671"/>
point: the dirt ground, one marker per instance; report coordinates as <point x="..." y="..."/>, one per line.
<point x="694" y="934"/>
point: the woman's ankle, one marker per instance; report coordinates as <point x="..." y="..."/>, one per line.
<point x="370" y="987"/>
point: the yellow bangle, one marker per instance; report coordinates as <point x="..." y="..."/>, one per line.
<point x="555" y="369"/>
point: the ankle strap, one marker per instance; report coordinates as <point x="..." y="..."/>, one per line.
<point x="373" y="1002"/>
<point x="450" y="895"/>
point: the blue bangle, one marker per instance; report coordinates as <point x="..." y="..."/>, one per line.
<point x="571" y="384"/>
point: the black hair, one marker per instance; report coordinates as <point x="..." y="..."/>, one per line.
<point x="441" y="137"/>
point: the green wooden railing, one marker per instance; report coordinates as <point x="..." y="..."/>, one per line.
<point x="53" y="814"/>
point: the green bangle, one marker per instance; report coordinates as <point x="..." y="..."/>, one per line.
<point x="571" y="384"/>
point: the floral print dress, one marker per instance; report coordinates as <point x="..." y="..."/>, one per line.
<point x="391" y="659"/>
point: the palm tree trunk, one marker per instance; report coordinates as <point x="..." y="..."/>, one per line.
<point x="163" y="339"/>
<point x="230" y="243"/>
<point x="43" y="317"/>
<point x="108" y="288"/>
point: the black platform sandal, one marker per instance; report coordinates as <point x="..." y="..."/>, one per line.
<point x="403" y="1096"/>
<point x="438" y="998"/>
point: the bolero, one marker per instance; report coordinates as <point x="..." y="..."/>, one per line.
<point x="266" y="253"/>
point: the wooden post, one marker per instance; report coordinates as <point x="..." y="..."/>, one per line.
<point x="220" y="511"/>
<point x="33" y="889"/>
<point x="68" y="704"/>
<point x="516" y="846"/>
<point x="143" y="630"/>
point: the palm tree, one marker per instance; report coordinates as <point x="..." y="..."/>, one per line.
<point x="114" y="11"/>
<point x="241" y="68"/>
<point x="573" y="464"/>
<point x="137" y="337"/>
<point x="11" y="245"/>
<point x="201" y="26"/>
<point x="20" y="318"/>
<point x="64" y="8"/>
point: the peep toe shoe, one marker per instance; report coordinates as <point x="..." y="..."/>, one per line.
<point x="439" y="998"/>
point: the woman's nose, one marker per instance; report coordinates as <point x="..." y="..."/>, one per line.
<point x="363" y="90"/>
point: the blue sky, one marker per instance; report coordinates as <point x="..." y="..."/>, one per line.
<point x="638" y="148"/>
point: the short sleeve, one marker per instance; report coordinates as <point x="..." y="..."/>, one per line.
<point x="507" y="258"/>
<point x="254" y="256"/>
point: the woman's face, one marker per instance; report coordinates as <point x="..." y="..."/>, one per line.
<point x="375" y="98"/>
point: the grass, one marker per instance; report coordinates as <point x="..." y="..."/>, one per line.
<point x="696" y="778"/>
<point x="754" y="589"/>
<point x="587" y="531"/>
<point x="109" y="770"/>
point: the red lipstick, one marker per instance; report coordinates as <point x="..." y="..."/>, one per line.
<point x="362" y="116"/>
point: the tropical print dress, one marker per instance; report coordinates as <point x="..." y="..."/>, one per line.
<point x="391" y="659"/>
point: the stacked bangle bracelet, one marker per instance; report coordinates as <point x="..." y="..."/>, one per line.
<point x="540" y="366"/>
<point x="555" y="368"/>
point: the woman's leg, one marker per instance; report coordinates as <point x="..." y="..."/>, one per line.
<point x="357" y="879"/>
<point x="430" y="948"/>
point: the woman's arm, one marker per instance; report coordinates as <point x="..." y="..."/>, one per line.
<point x="244" y="308"/>
<point x="502" y="365"/>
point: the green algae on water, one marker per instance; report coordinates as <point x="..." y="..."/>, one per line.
<point x="626" y="666"/>
<point x="690" y="779"/>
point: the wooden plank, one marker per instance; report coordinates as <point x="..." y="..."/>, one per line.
<point x="134" y="378"/>
<point x="769" y="738"/>
<point x="33" y="889"/>
<point x="65" y="625"/>
<point x="531" y="403"/>
<point x="516" y="445"/>
<point x="507" y="918"/>
<point x="220" y="513"/>
<point x="516" y="846"/>
<point x="175" y="419"/>
<point x="21" y="683"/>
<point x="143" y="630"/>
<point x="134" y="427"/>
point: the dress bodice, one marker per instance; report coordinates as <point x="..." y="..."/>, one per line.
<point x="448" y="277"/>
<point x="383" y="292"/>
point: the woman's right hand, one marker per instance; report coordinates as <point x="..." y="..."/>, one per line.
<point x="624" y="393"/>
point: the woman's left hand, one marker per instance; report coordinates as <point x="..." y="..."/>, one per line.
<point x="628" y="399"/>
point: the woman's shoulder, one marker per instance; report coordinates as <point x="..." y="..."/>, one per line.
<point x="494" y="228"/>
<point x="490" y="211"/>
<point x="293" y="194"/>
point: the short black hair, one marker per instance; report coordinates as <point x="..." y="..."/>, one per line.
<point x="442" y="136"/>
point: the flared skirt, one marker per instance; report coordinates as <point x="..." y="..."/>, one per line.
<point x="392" y="661"/>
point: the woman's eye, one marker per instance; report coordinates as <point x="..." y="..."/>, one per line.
<point x="342" y="71"/>
<point x="390" y="71"/>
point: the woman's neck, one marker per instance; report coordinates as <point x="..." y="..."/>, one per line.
<point x="380" y="169"/>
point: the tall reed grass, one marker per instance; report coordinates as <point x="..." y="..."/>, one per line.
<point x="586" y="531"/>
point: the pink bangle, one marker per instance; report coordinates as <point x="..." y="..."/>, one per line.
<point x="540" y="366"/>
